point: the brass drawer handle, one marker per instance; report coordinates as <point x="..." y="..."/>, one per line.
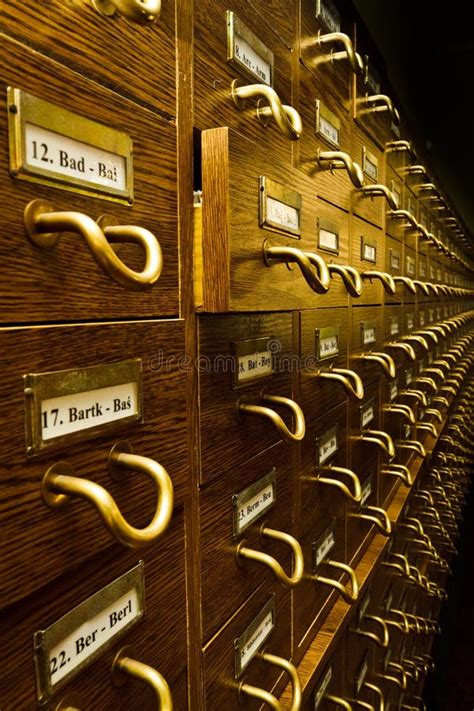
<point x="419" y="395"/>
<point x="387" y="280"/>
<point x="383" y="523"/>
<point x="380" y="190"/>
<point x="123" y="666"/>
<point x="141" y="11"/>
<point x="419" y="340"/>
<point x="349" y="596"/>
<point x="265" y="696"/>
<point x="379" y="438"/>
<point x="383" y="359"/>
<point x="412" y="444"/>
<point x="399" y="668"/>
<point x="405" y="215"/>
<point x="354" y="389"/>
<point x="338" y="701"/>
<point x="428" y="427"/>
<point x="271" y="562"/>
<point x="274" y="417"/>
<point x="380" y="102"/>
<point x="350" y="277"/>
<point x="60" y="484"/>
<point x="405" y="347"/>
<point x="403" y="410"/>
<point x="401" y="471"/>
<point x="426" y="381"/>
<point x="339" y="160"/>
<point x="312" y="266"/>
<point x="354" y="496"/>
<point x="349" y="53"/>
<point x="287" y="118"/>
<point x="428" y="332"/>
<point x="44" y="226"/>
<point x="403" y="626"/>
<point x="407" y="283"/>
<point x="376" y="690"/>
<point x="422" y="286"/>
<point x="382" y="641"/>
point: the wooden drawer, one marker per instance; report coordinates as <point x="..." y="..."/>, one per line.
<point x="221" y="675"/>
<point x="215" y="70"/>
<point x="281" y="16"/>
<point x="367" y="338"/>
<point x="410" y="271"/>
<point x="228" y="435"/>
<point x="393" y="225"/>
<point x="113" y="51"/>
<point x="329" y="682"/>
<point x="327" y="130"/>
<point x="248" y="206"/>
<point x="359" y="663"/>
<point x="369" y="156"/>
<point x="64" y="282"/>
<point x="394" y="267"/>
<point x="323" y="347"/>
<point x="394" y="326"/>
<point x="158" y="639"/>
<point x="53" y="541"/>
<point x="264" y="485"/>
<point x="367" y="256"/>
<point x="334" y="77"/>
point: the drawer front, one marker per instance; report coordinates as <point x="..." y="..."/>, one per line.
<point x="368" y="155"/>
<point x="394" y="325"/>
<point x="222" y="680"/>
<point x="394" y="226"/>
<point x="250" y="206"/>
<point x="227" y="434"/>
<point x="332" y="243"/>
<point x="64" y="282"/>
<point x="329" y="682"/>
<point x="214" y="72"/>
<point x="370" y="111"/>
<point x="367" y="338"/>
<point x="113" y="51"/>
<point x="233" y="511"/>
<point x="53" y="541"/>
<point x="323" y="346"/>
<point x="360" y="662"/>
<point x="410" y="271"/>
<point x="158" y="639"/>
<point x="394" y="267"/>
<point x="327" y="129"/>
<point x="367" y="256"/>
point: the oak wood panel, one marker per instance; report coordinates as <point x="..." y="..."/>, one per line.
<point x="219" y="568"/>
<point x="221" y="686"/>
<point x="118" y="53"/>
<point x="363" y="233"/>
<point x="39" y="543"/>
<point x="410" y="264"/>
<point x="411" y="234"/>
<point x="369" y="208"/>
<point x="394" y="226"/>
<point x="235" y="277"/>
<point x="280" y="16"/>
<point x="364" y="319"/>
<point x="394" y="265"/>
<point x="64" y="282"/>
<point x="226" y="440"/>
<point x="213" y="74"/>
<point x="392" y="423"/>
<point x="334" y="186"/>
<point x="359" y="650"/>
<point x="335" y="666"/>
<point x="159" y="639"/>
<point x="394" y="325"/>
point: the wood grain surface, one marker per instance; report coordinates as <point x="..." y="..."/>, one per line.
<point x="371" y="209"/>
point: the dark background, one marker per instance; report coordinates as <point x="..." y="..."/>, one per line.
<point x="429" y="55"/>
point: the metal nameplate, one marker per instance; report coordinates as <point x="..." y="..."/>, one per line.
<point x="247" y="645"/>
<point x="422" y="318"/>
<point x="366" y="490"/>
<point x="432" y="273"/>
<point x="394" y="260"/>
<point x="393" y="390"/>
<point x="280" y="208"/>
<point x="394" y="325"/>
<point x="367" y="412"/>
<point x="410" y="265"/>
<point x="67" y="406"/>
<point x="327" y="124"/>
<point x="396" y="189"/>
<point x="363" y="606"/>
<point x="327" y="342"/>
<point x="253" y="502"/>
<point x="368" y="250"/>
<point x="74" y="641"/>
<point x="326" y="446"/>
<point x="388" y="657"/>
<point x="254" y="360"/>
<point x="422" y="268"/>
<point x="328" y="236"/>
<point x="368" y="332"/>
<point x="388" y="600"/>
<point x="327" y="13"/>
<point x="247" y="53"/>
<point x="395" y="129"/>
<point x="408" y="376"/>
<point x="424" y="216"/>
<point x="322" y="688"/>
<point x="439" y="313"/>
<point x="373" y="80"/>
<point x="361" y="674"/>
<point x="439" y="275"/>
<point x="406" y="431"/>
<point x="324" y="544"/>
<point x="410" y="320"/>
<point x="370" y="164"/>
<point x="431" y="315"/>
<point x="54" y="146"/>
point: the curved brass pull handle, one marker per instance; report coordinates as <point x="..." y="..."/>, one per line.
<point x="422" y="286"/>
<point x="428" y="426"/>
<point x="265" y="696"/>
<point x="381" y="439"/>
<point x="426" y="381"/>
<point x="349" y="596"/>
<point x="287" y="118"/>
<point x="402" y="472"/>
<point x="430" y="333"/>
<point x="405" y="625"/>
<point x="343" y="376"/>
<point x="412" y="444"/>
<point x="350" y="277"/>
<point x="381" y="102"/>
<point x="60" y="484"/>
<point x="274" y="417"/>
<point x="379" y="693"/>
<point x="337" y="160"/>
<point x="404" y="560"/>
<point x="123" y="666"/>
<point x="271" y="562"/>
<point x="405" y="347"/>
<point x="387" y="677"/>
<point x="354" y="496"/>
<point x="349" y="52"/>
<point x="403" y="410"/>
<point x="399" y="668"/>
<point x="382" y="641"/>
<point x="399" y="146"/>
<point x="364" y="705"/>
<point x="407" y="282"/>
<point x="380" y="190"/>
<point x="417" y="394"/>
<point x="338" y="702"/>
<point x="142" y="11"/>
<point x="312" y="266"/>
<point x="419" y="340"/>
<point x="405" y="215"/>
<point x="383" y="359"/>
<point x="384" y="526"/>
<point x="386" y="279"/>
<point x="44" y="226"/>
<point x="436" y="371"/>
